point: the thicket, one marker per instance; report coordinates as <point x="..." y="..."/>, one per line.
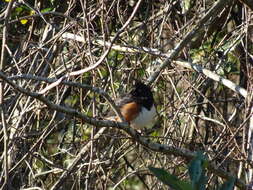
<point x="64" y="62"/>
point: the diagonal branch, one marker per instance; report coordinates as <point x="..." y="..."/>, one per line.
<point x="7" y="15"/>
<point x="215" y="10"/>
<point x="162" y="148"/>
<point x="231" y="85"/>
<point x="101" y="59"/>
<point x="213" y="76"/>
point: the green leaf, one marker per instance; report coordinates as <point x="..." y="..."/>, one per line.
<point x="195" y="168"/>
<point x="18" y="10"/>
<point x="201" y="184"/>
<point x="104" y="72"/>
<point x="155" y="134"/>
<point x="170" y="179"/>
<point x="120" y="57"/>
<point x="229" y="185"/>
<point x="46" y="10"/>
<point x="197" y="172"/>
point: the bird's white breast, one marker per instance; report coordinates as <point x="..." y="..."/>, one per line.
<point x="145" y="119"/>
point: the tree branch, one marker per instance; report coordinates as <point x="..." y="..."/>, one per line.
<point x="2" y="109"/>
<point x="162" y="148"/>
<point x="215" y="10"/>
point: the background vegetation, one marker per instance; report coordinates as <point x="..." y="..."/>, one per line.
<point x="63" y="62"/>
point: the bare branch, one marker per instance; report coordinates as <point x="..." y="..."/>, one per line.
<point x="167" y="149"/>
<point x="5" y="184"/>
<point x="189" y="36"/>
<point x="213" y="76"/>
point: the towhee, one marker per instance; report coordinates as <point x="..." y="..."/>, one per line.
<point x="137" y="107"/>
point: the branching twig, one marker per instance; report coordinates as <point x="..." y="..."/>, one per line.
<point x="167" y="149"/>
<point x="73" y="84"/>
<point x="73" y="166"/>
<point x="215" y="10"/>
<point x="2" y="109"/>
<point x="101" y="59"/>
<point x="156" y="52"/>
<point x="213" y="76"/>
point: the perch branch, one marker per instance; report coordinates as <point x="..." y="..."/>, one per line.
<point x="162" y="148"/>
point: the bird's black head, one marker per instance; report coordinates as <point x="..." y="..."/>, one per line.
<point x="142" y="93"/>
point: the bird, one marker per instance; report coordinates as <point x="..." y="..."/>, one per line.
<point x="137" y="107"/>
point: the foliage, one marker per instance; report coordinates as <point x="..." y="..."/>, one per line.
<point x="197" y="173"/>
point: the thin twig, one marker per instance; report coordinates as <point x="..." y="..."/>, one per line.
<point x="73" y="84"/>
<point x="2" y="110"/>
<point x="156" y="52"/>
<point x="163" y="148"/>
<point x="101" y="59"/>
<point x="215" y="10"/>
<point x="213" y="76"/>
